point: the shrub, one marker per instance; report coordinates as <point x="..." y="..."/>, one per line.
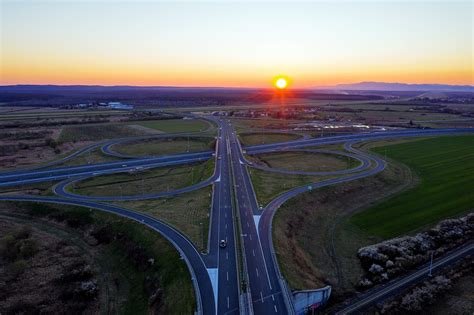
<point x="15" y="269"/>
<point x="51" y="143"/>
<point x="15" y="246"/>
<point x="27" y="248"/>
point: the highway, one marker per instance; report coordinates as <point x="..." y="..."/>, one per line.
<point x="265" y="148"/>
<point x="24" y="177"/>
<point x="218" y="281"/>
<point x="222" y="262"/>
<point x="264" y="285"/>
<point x="35" y="176"/>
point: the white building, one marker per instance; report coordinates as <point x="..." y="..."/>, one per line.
<point x="118" y="105"/>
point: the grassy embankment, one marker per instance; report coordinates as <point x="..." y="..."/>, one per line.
<point x="316" y="238"/>
<point x="125" y="281"/>
<point x="188" y="212"/>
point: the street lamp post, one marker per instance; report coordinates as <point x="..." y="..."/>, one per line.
<point x="202" y="235"/>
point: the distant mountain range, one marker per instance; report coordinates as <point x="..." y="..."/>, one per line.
<point x="338" y="89"/>
<point x="383" y="86"/>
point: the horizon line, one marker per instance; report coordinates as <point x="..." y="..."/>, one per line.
<point x="316" y="87"/>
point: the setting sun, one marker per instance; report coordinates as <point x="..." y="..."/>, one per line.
<point x="281" y="83"/>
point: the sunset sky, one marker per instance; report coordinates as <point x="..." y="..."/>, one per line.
<point x="235" y="43"/>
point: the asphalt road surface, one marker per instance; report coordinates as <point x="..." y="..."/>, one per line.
<point x="17" y="178"/>
<point x="264" y="286"/>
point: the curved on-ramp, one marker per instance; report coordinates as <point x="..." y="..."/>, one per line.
<point x="364" y="163"/>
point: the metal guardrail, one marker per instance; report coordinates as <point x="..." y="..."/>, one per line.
<point x="245" y="300"/>
<point x="288" y="297"/>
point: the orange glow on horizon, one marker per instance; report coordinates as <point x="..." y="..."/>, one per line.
<point x="101" y="72"/>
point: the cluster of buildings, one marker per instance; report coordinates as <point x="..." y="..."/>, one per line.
<point x="104" y="105"/>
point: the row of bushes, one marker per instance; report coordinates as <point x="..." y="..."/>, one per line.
<point x="390" y="258"/>
<point x="428" y="292"/>
<point x="12" y="149"/>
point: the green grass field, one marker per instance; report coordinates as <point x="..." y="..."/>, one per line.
<point x="305" y="161"/>
<point x="175" y="125"/>
<point x="269" y="185"/>
<point x="188" y="212"/>
<point x="165" y="146"/>
<point x="445" y="166"/>
<point x="145" y="182"/>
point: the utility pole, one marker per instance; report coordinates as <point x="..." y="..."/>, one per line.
<point x="431" y="265"/>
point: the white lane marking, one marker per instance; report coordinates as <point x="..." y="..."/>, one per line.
<point x="226" y="226"/>
<point x="225" y="215"/>
<point x="275" y="307"/>
<point x="250" y="235"/>
<point x="227" y="276"/>
<point x="253" y="252"/>
<point x="228" y="302"/>
<point x="256" y="269"/>
<point x="273" y="298"/>
<point x="213" y="275"/>
<point x="256" y="219"/>
<point x="226" y="255"/>
<point x="261" y="296"/>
